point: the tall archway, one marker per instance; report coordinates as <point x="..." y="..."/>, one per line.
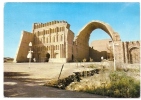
<point x="82" y="39"/>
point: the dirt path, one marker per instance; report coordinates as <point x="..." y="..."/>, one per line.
<point x="20" y="80"/>
<point x="15" y="88"/>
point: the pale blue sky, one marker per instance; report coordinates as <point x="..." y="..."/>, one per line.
<point x="124" y="18"/>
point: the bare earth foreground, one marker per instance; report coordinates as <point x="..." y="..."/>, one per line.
<point x="24" y="80"/>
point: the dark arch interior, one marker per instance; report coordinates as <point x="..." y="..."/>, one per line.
<point x="47" y="57"/>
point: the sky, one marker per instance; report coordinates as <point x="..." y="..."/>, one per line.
<point x="124" y="18"/>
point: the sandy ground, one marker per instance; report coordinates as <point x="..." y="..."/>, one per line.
<point x="24" y="80"/>
<point x="46" y="71"/>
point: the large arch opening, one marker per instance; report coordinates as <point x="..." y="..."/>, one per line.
<point x="100" y="46"/>
<point x="82" y="39"/>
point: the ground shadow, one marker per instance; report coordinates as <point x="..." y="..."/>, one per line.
<point x="12" y="74"/>
<point x="27" y="87"/>
<point x="16" y="84"/>
<point x="22" y="76"/>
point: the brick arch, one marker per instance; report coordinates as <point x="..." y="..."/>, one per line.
<point x="85" y="32"/>
<point x="134" y="56"/>
<point x="82" y="39"/>
<point x="133" y="47"/>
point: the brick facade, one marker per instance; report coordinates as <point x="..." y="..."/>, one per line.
<point x="55" y="42"/>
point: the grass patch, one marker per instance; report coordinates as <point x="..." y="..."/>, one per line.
<point x="120" y="86"/>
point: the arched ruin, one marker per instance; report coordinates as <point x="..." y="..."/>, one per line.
<point x="82" y="39"/>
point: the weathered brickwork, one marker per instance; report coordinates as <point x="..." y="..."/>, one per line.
<point x="53" y="38"/>
<point x="131" y="51"/>
<point x="22" y="50"/>
<point x="103" y="48"/>
<point x="55" y="42"/>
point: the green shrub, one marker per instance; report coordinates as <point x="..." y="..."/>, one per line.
<point x="122" y="85"/>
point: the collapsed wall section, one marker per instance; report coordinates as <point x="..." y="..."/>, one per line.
<point x="23" y="48"/>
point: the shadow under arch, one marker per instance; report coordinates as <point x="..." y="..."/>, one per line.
<point x="82" y="39"/>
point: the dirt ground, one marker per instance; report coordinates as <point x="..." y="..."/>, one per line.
<point x="27" y="80"/>
<point x="25" y="77"/>
<point x="46" y="71"/>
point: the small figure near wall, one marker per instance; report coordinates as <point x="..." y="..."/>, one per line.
<point x="102" y="58"/>
<point x="34" y="59"/>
